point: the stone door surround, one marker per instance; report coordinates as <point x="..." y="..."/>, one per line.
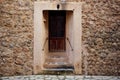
<point x="73" y="25"/>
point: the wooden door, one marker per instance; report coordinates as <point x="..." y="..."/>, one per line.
<point x="57" y="20"/>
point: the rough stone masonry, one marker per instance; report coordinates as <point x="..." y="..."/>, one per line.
<point x="101" y="37"/>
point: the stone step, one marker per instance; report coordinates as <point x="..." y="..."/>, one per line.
<point x="57" y="54"/>
<point x="57" y="71"/>
<point x="62" y="69"/>
<point x="56" y="65"/>
<point x="56" y="59"/>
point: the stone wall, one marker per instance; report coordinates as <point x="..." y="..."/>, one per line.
<point x="16" y="37"/>
<point x="101" y="37"/>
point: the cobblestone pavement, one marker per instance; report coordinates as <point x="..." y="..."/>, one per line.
<point x="60" y="77"/>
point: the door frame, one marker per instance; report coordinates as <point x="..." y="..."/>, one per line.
<point x="40" y="33"/>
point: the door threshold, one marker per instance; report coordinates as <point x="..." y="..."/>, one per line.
<point x="57" y="72"/>
<point x="58" y="69"/>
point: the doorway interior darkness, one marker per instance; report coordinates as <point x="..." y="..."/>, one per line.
<point x="57" y="31"/>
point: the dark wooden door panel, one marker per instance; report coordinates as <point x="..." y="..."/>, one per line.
<point x="57" y="44"/>
<point x="57" y="30"/>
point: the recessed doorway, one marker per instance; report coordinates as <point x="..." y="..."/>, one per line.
<point x="57" y="36"/>
<point x="56" y="58"/>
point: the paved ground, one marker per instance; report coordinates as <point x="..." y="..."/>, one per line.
<point x="60" y="77"/>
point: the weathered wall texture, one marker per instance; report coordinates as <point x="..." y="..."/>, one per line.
<point x="101" y="37"/>
<point x="16" y="37"/>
